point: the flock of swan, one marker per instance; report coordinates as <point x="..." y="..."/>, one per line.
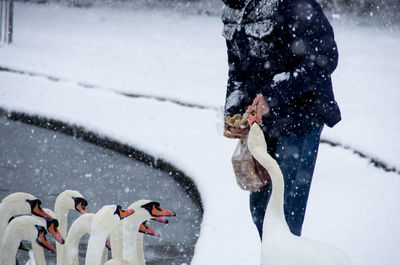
<point x="23" y="218"/>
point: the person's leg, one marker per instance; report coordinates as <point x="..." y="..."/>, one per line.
<point x="296" y="156"/>
<point x="258" y="204"/>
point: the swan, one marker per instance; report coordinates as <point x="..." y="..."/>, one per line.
<point x="144" y="210"/>
<point x="66" y="201"/>
<point x="279" y="245"/>
<point x="19" y="203"/>
<point x="104" y="222"/>
<point x="22" y="228"/>
<point x="81" y="226"/>
<point x="143" y="229"/>
<point x="36" y="255"/>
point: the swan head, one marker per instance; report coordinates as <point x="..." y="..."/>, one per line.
<point x="256" y="138"/>
<point x="151" y="209"/>
<point x="52" y="227"/>
<point x="71" y="199"/>
<point x="41" y="239"/>
<point x="29" y="228"/>
<point x="24" y="203"/>
<point x="146" y="229"/>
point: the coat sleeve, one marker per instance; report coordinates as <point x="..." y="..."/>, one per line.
<point x="234" y="101"/>
<point x="311" y="44"/>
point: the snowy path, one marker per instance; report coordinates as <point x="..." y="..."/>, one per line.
<point x="352" y="204"/>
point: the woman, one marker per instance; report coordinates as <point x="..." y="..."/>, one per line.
<point x="281" y="54"/>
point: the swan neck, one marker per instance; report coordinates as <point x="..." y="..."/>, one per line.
<point x="8" y="250"/>
<point x="95" y="248"/>
<point x="274" y="218"/>
<point x="116" y="242"/>
<point x="139" y="247"/>
<point x="79" y="228"/>
<point x="62" y="217"/>
<point x="130" y="230"/>
<point x="38" y="253"/>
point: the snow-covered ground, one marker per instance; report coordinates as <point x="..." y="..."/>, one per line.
<point x="96" y="54"/>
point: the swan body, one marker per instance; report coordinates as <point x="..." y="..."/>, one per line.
<point x="66" y="201"/>
<point x="21" y="228"/>
<point x="104" y="222"/>
<point x="279" y="245"/>
<point x="19" y="203"/>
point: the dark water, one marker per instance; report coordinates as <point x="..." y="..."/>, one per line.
<point x="45" y="163"/>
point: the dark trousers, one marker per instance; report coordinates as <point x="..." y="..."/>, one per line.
<point x="296" y="155"/>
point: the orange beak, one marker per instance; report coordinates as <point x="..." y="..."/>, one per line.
<point x="42" y="240"/>
<point x="37" y="210"/>
<point x="123" y="213"/>
<point x="145" y="229"/>
<point x="253" y="119"/>
<point x="81" y="209"/>
<point x="158" y="211"/>
<point x="160" y="219"/>
<point x="56" y="233"/>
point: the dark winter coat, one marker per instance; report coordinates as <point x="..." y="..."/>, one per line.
<point x="284" y="49"/>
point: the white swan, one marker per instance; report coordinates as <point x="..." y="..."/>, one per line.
<point x="144" y="210"/>
<point x="80" y="227"/>
<point x="105" y="221"/>
<point x="19" y="203"/>
<point x="145" y="229"/>
<point x="36" y="255"/>
<point x="66" y="201"/>
<point x="22" y="228"/>
<point x="116" y="237"/>
<point x="279" y="245"/>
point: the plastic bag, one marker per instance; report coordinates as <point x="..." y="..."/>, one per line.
<point x="250" y="175"/>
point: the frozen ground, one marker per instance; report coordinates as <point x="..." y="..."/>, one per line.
<point x="73" y="64"/>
